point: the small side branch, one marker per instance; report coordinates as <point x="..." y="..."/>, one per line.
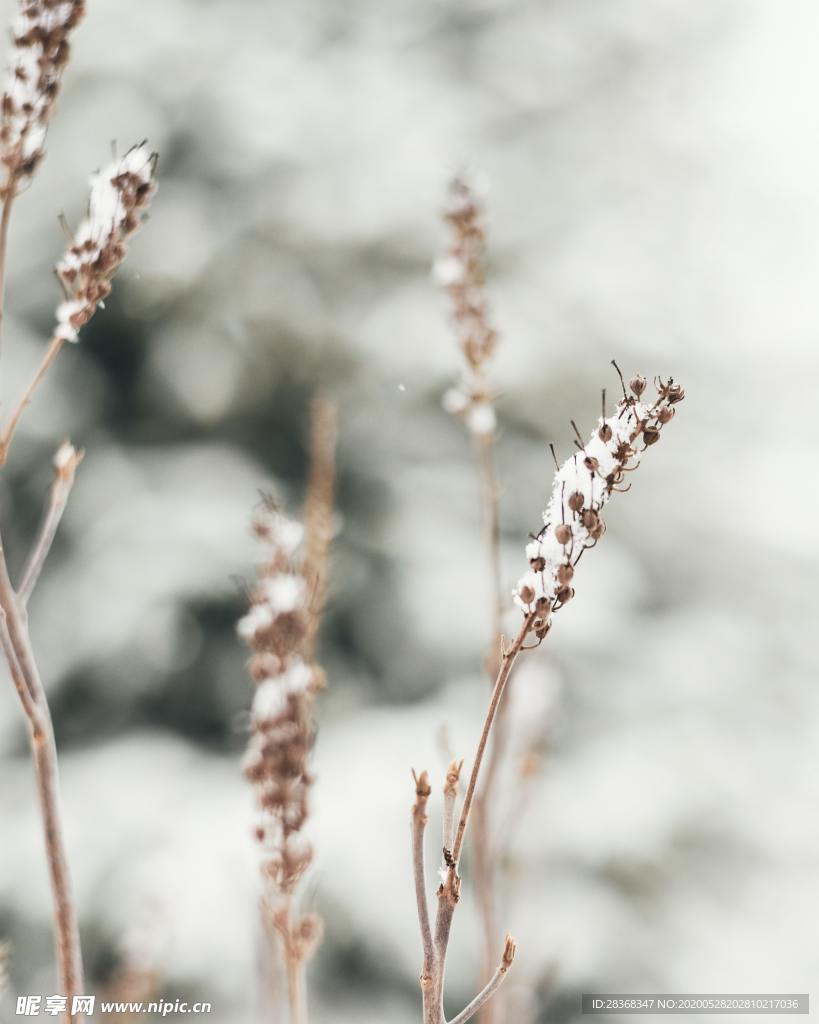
<point x="20" y="685"/>
<point x="66" y="460"/>
<point x="491" y="988"/>
<point x="419" y="824"/>
<point x="10" y="429"/>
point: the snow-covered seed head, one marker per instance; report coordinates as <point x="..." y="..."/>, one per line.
<point x="461" y="273"/>
<point x="120" y="194"/>
<point x="583" y="484"/>
<point x="277" y="760"/>
<point x="41" y="51"/>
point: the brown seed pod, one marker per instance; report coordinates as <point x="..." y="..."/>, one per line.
<point x="564" y="595"/>
<point x="637" y="384"/>
<point x="526" y="594"/>
<point x="563" y="533"/>
<point x="541" y="628"/>
<point x="575" y="501"/>
<point x="590" y="519"/>
<point x="538" y="564"/>
<point x="665" y="414"/>
<point x="605" y="433"/>
<point x="591" y="463"/>
<point x="565" y="574"/>
<point x="651" y="435"/>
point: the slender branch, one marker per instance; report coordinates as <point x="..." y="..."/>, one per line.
<point x="66" y="461"/>
<point x="507" y="662"/>
<point x="44" y="752"/>
<point x="483" y="839"/>
<point x="419" y="824"/>
<point x="485" y="446"/>
<point x="10" y="429"/>
<point x="5" y="217"/>
<point x="491" y="987"/>
<point x="23" y="692"/>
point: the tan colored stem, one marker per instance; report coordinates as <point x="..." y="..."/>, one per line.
<point x="507" y="662"/>
<point x="295" y="990"/>
<point x="318" y="514"/>
<point x="483" y="839"/>
<point x="491" y="987"/>
<point x="5" y="217"/>
<point x="44" y="752"/>
<point x="10" y="429"/>
<point x="419" y="824"/>
<point x="57" y="501"/>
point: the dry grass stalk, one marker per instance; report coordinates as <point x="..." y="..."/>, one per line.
<point x="118" y="195"/>
<point x="280" y="630"/>
<point x="573" y="523"/>
<point x="318" y="512"/>
<point x="461" y="271"/>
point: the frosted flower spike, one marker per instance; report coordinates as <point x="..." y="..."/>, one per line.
<point x="40" y="53"/>
<point x="460" y="273"/>
<point x="120" y="194"/>
<point x="582" y="486"/>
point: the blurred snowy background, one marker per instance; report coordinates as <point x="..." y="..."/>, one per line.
<point x="654" y="198"/>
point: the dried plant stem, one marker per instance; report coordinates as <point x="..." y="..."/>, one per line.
<point x="295" y="970"/>
<point x="5" y="217"/>
<point x="57" y="501"/>
<point x="419" y="824"/>
<point x="507" y="663"/>
<point x="22" y="665"/>
<point x="9" y="430"/>
<point x="483" y="843"/>
<point x="318" y="511"/>
<point x="432" y="980"/>
<point x="482" y="999"/>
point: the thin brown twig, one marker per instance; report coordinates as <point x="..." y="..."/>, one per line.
<point x="507" y="662"/>
<point x="5" y="217"/>
<point x="10" y="429"/>
<point x="44" y="752"/>
<point x="66" y="461"/>
<point x="491" y="987"/>
<point x="450" y="890"/>
<point x="419" y="824"/>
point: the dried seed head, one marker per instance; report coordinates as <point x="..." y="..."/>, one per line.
<point x="41" y="51"/>
<point x="277" y="760"/>
<point x="665" y="414"/>
<point x="637" y="384"/>
<point x="563" y="533"/>
<point x="120" y="195"/>
<point x="461" y="273"/>
<point x="583" y="484"/>
<point x="565" y="574"/>
<point x="576" y="501"/>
